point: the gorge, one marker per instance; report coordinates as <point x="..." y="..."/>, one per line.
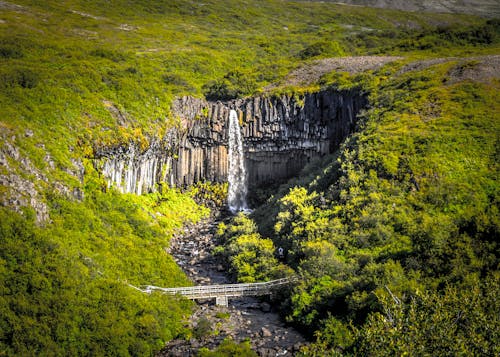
<point x="370" y="144"/>
<point x="281" y="135"/>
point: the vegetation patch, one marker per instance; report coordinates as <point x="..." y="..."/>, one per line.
<point x="229" y="348"/>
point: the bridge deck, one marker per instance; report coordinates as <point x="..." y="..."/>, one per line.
<point x="224" y="290"/>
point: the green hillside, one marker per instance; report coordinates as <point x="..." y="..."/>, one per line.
<point x="395" y="237"/>
<point x="408" y="206"/>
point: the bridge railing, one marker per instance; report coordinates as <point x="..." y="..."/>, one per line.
<point x="228" y="290"/>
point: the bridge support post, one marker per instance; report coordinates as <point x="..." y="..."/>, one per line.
<point x="221" y="301"/>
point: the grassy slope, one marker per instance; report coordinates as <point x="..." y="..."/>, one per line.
<point x="62" y="63"/>
<point x="408" y="206"/>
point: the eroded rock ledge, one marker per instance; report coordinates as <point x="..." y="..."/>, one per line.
<point x="281" y="135"/>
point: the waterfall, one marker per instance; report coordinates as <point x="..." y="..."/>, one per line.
<point x="237" y="175"/>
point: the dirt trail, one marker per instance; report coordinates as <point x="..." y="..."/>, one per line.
<point x="244" y="318"/>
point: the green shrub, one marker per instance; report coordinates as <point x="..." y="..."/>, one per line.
<point x="7" y="51"/>
<point x="461" y="320"/>
<point x="178" y="82"/>
<point x="223" y="315"/>
<point x="229" y="348"/>
<point x="250" y="257"/>
<point x="233" y="85"/>
<point x="106" y="53"/>
<point x="22" y="77"/>
<point x="209" y="194"/>
<point x="323" y="49"/>
<point x="202" y="329"/>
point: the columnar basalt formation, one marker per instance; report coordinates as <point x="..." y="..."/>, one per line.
<point x="281" y="135"/>
<point x="132" y="170"/>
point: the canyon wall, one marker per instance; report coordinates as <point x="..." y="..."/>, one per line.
<point x="281" y="135"/>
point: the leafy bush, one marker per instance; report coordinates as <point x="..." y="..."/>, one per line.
<point x="250" y="257"/>
<point x="461" y="320"/>
<point x="202" y="329"/>
<point x="106" y="53"/>
<point x="222" y="315"/>
<point x="323" y="49"/>
<point x="233" y="85"/>
<point x="22" y="77"/>
<point x="439" y="38"/>
<point x="178" y="83"/>
<point x="209" y="194"/>
<point x="229" y="348"/>
<point x="9" y="51"/>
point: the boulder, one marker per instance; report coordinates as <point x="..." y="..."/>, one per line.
<point x="264" y="332"/>
<point x="266" y="352"/>
<point x="265" y="307"/>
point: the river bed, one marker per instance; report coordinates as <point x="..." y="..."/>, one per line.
<point x="245" y="318"/>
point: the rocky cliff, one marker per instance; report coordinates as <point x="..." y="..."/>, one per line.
<point x="281" y="135"/>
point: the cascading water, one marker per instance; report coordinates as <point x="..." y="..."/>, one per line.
<point x="237" y="175"/>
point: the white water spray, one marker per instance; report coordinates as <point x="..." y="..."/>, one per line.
<point x="237" y="175"/>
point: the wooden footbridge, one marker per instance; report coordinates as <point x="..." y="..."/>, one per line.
<point x="221" y="293"/>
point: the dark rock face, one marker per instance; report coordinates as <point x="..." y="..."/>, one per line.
<point x="202" y="151"/>
<point x="281" y="135"/>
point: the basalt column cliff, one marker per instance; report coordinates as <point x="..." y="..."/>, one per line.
<point x="281" y="135"/>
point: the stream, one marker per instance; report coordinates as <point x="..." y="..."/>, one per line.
<point x="245" y="318"/>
